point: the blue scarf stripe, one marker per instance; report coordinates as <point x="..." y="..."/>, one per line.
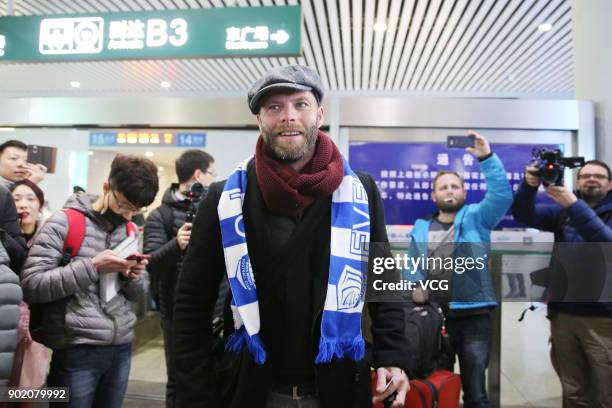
<point x="341" y="323"/>
<point x="245" y="296"/>
<point x="340" y="263"/>
<point x="229" y="227"/>
<point x="348" y="217"/>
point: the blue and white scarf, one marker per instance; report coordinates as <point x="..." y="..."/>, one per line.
<point x="350" y="235"/>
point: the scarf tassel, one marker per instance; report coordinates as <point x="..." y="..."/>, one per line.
<point x="238" y="339"/>
<point x="328" y="349"/>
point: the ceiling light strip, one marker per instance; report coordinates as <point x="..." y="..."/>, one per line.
<point x="321" y="17"/>
<point x="311" y="26"/>
<point x="400" y="42"/>
<point x="413" y="32"/>
<point x="533" y="41"/>
<point x="392" y="24"/>
<point x="357" y="32"/>
<point x="379" y="37"/>
<point x="425" y="32"/>
<point x="470" y="22"/>
<point x="521" y="26"/>
<point x="345" y="23"/>
<point x="334" y="28"/>
<point x="442" y="44"/>
<point x="368" y="31"/>
<point x="476" y="40"/>
<point x="500" y="28"/>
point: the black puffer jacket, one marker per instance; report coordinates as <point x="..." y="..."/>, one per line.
<point x="10" y="293"/>
<point x="10" y="233"/>
<point x="166" y="255"/>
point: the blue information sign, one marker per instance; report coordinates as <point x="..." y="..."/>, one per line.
<point x="147" y="138"/>
<point x="190" y="139"/>
<point x="103" y="139"/>
<point x="405" y="175"/>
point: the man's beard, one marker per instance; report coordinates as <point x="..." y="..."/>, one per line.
<point x="592" y="195"/>
<point x="294" y="153"/>
<point x="453" y="207"/>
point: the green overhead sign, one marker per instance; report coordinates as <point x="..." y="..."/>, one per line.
<point x="195" y="33"/>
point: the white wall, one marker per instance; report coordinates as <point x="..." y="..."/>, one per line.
<point x="591" y="30"/>
<point x="71" y="166"/>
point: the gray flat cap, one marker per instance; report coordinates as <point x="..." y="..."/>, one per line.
<point x="296" y="77"/>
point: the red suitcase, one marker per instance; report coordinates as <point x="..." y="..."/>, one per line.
<point x="441" y="390"/>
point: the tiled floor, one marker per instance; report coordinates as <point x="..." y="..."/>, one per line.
<point x="527" y="377"/>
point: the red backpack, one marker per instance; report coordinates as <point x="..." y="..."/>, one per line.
<point x="76" y="234"/>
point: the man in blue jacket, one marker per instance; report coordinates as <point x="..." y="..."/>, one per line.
<point x="472" y="295"/>
<point x="581" y="333"/>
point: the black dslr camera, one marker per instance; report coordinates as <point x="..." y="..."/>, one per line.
<point x="551" y="164"/>
<point x="195" y="195"/>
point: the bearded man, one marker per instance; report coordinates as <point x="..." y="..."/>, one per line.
<point x="289" y="230"/>
<point x="459" y="229"/>
<point x="581" y="331"/>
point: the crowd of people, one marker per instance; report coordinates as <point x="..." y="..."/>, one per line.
<point x="250" y="273"/>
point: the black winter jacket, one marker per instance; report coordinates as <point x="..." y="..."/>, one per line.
<point x="10" y="233"/>
<point x="207" y="378"/>
<point x="166" y="255"/>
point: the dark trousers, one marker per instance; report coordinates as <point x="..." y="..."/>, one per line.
<point x="167" y="326"/>
<point x="581" y="354"/>
<point x="470" y="340"/>
<point x="97" y="376"/>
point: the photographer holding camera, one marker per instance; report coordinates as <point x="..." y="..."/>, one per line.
<point x="581" y="332"/>
<point x="166" y="236"/>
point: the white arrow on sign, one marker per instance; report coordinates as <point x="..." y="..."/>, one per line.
<point x="280" y="37"/>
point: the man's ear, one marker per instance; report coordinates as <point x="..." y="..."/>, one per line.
<point x="258" y="116"/>
<point x="197" y="174"/>
<point x="320" y="116"/>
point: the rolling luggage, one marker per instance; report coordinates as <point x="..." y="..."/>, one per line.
<point x="440" y="390"/>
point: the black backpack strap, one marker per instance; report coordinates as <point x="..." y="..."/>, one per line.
<point x="167" y="219"/>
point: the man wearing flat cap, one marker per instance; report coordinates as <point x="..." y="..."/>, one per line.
<point x="289" y="231"/>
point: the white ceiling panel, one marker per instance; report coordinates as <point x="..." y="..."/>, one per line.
<point x="442" y="47"/>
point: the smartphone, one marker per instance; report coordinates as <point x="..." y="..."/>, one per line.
<point x="460" y="141"/>
<point x="44" y="155"/>
<point x="388" y="402"/>
<point x="138" y="257"/>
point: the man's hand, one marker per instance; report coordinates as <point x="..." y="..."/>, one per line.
<point x="136" y="269"/>
<point x="481" y="146"/>
<point x="562" y="195"/>
<point x="36" y="172"/>
<point x="183" y="235"/>
<point x="419" y="295"/>
<point x="531" y="177"/>
<point x="400" y="384"/>
<point x="108" y="261"/>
